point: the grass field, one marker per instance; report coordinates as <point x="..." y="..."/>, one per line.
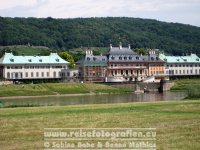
<point x="177" y="123"/>
<point x="57" y="88"/>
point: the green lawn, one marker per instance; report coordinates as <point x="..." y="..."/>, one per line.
<point x="177" y="123"/>
<point x="57" y="88"/>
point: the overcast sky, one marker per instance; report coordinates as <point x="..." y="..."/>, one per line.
<point x="182" y="11"/>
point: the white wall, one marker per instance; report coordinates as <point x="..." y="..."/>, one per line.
<point x="37" y="71"/>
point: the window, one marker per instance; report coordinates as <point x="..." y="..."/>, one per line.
<point x="191" y="71"/>
<point x="32" y="74"/>
<point x="54" y="74"/>
<point x="8" y="75"/>
<point x="179" y="71"/>
<point x="42" y="67"/>
<point x="47" y="74"/>
<point x="42" y="74"/>
<point x="8" y="67"/>
<point x="37" y="74"/>
<point x="26" y="74"/>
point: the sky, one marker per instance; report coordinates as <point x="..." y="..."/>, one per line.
<point x="181" y="11"/>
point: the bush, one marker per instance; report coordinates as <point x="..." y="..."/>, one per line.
<point x="193" y="90"/>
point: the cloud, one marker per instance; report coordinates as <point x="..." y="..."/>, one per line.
<point x="185" y="11"/>
<point x="8" y="4"/>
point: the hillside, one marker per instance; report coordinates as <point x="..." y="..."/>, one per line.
<point x="100" y="32"/>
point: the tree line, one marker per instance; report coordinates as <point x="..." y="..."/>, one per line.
<point x="61" y="34"/>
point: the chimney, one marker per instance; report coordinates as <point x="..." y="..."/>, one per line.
<point x="120" y="45"/>
<point x="91" y="52"/>
<point x="129" y="46"/>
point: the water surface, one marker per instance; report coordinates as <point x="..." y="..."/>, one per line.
<point x="95" y="99"/>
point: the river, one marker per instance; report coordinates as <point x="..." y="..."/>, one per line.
<point x="95" y="99"/>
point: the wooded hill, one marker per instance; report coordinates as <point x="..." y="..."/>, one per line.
<point x="174" y="38"/>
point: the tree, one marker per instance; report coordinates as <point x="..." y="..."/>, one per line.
<point x="66" y="56"/>
<point x="140" y="51"/>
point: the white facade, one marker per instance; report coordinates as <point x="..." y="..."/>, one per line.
<point x="32" y="67"/>
<point x="180" y="69"/>
<point x="182" y="65"/>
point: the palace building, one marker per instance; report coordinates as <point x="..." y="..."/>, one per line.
<point x="32" y="67"/>
<point x="92" y="68"/>
<point x="182" y="65"/>
<point x="125" y="65"/>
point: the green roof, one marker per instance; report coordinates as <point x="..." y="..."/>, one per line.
<point x="53" y="58"/>
<point x="193" y="58"/>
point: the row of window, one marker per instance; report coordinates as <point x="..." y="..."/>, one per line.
<point x="93" y="74"/>
<point x="130" y="58"/>
<point x="122" y="72"/>
<point x="35" y="67"/>
<point x="184" y="65"/>
<point x="184" y="71"/>
<point x="16" y="75"/>
<point x="115" y="65"/>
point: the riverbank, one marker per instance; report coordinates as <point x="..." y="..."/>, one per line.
<point x="191" y="86"/>
<point x="49" y="89"/>
<point x="177" y="123"/>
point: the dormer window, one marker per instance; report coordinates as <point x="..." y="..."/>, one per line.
<point x="120" y="58"/>
<point x="112" y="57"/>
<point x="40" y="60"/>
<point x="152" y="58"/>
<point x="94" y="58"/>
<point x="30" y="60"/>
<point x="57" y="60"/>
<point x="157" y="58"/>
<point x="185" y="59"/>
<point x="130" y="58"/>
<point x="137" y="58"/>
<point x="88" y="58"/>
<point x="165" y="59"/>
<point x="125" y="58"/>
<point x="197" y="59"/>
<point x="12" y="60"/>
<point x="177" y="59"/>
